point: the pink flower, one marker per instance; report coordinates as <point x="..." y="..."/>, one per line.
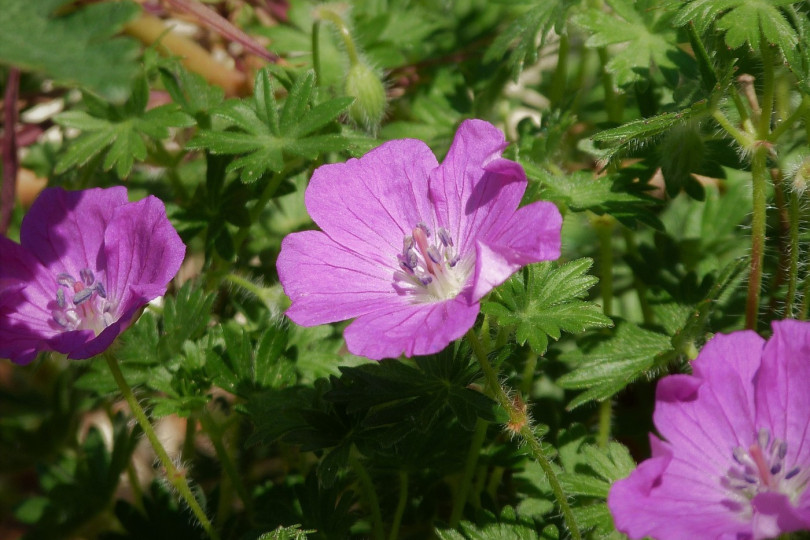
<point x="409" y="247"/>
<point x="736" y="460"/>
<point x="87" y="262"/>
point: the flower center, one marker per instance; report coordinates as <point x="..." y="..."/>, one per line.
<point x="81" y="304"/>
<point x="431" y="270"/>
<point x="762" y="468"/>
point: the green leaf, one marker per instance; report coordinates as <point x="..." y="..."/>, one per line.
<point x="646" y="30"/>
<point x="293" y="532"/>
<point x="263" y="135"/>
<point x="521" y="36"/>
<point x="627" y="354"/>
<point x="73" y="44"/>
<point x="638" y="132"/>
<point x="545" y="299"/>
<point x="744" y="21"/>
<point x="618" y="195"/>
<point x="185" y="316"/>
<point x="118" y="130"/>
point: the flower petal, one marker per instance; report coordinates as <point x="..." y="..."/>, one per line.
<point x="143" y="254"/>
<point x="410" y="329"/>
<point x="531" y="235"/>
<point x="783" y="402"/>
<point x="774" y="516"/>
<point x="656" y="501"/>
<point x="327" y="282"/>
<point x="369" y="204"/>
<point x="26" y="288"/>
<point x="474" y="190"/>
<point x="65" y="229"/>
<point x="707" y="415"/>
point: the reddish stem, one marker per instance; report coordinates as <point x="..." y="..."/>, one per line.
<point x="11" y="161"/>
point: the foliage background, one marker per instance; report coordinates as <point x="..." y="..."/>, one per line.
<point x="672" y="135"/>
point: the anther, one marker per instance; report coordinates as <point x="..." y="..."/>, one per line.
<point x="87" y="276"/>
<point x="444" y="237"/>
<point x="739" y="455"/>
<point x="82" y="296"/>
<point x="792" y="472"/>
<point x="100" y="290"/>
<point x="425" y="280"/>
<point x="60" y="319"/>
<point x="776" y="468"/>
<point x="60" y="298"/>
<point x="424" y="227"/>
<point x="781" y="449"/>
<point x="407" y="243"/>
<point x="434" y="254"/>
<point x="65" y="280"/>
<point x="763" y="438"/>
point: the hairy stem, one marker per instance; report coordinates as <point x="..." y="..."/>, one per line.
<point x="558" y="81"/>
<point x="216" y="434"/>
<point x="343" y="30"/>
<point x="793" y="262"/>
<point x="11" y="162"/>
<point x="470" y="465"/>
<point x="759" y="176"/>
<point x="176" y="478"/>
<point x="518" y="417"/>
<point x="370" y="495"/>
<point x="402" y="502"/>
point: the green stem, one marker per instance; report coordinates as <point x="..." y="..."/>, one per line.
<point x="316" y="50"/>
<point x="370" y="494"/>
<point x="764" y="128"/>
<point x="257" y="209"/>
<point x="559" y="79"/>
<point x="793" y="262"/>
<point x="176" y="478"/>
<point x="743" y="139"/>
<point x="518" y="418"/>
<point x="604" y="230"/>
<point x="246" y="284"/>
<point x="216" y="434"/>
<point x="402" y="502"/>
<point x="343" y="30"/>
<point x="786" y="124"/>
<point x="641" y="288"/>
<point x="470" y="465"/>
<point x="759" y="177"/>
<point x="613" y="104"/>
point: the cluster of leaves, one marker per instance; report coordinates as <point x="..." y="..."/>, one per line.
<point x="288" y="436"/>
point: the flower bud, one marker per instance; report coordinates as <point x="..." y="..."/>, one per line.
<point x="363" y="84"/>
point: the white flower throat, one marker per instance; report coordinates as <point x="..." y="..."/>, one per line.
<point x="81" y="304"/>
<point x="431" y="271"/>
<point x="762" y="468"/>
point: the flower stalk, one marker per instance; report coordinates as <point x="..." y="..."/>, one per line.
<point x="518" y="417"/>
<point x="175" y="477"/>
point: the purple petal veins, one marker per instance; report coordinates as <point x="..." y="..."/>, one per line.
<point x="736" y="460"/>
<point x="87" y="262"/>
<point x="399" y="246"/>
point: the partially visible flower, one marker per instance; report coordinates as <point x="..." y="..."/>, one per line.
<point x="736" y="460"/>
<point x="409" y="247"/>
<point x="87" y="262"/>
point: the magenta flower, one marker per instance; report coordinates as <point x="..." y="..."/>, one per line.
<point x="87" y="262"/>
<point x="736" y="460"/>
<point x="409" y="246"/>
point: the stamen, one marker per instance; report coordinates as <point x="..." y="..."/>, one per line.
<point x="100" y="290"/>
<point x="776" y="468"/>
<point x="763" y="438"/>
<point x="60" y="318"/>
<point x="60" y="298"/>
<point x="65" y="280"/>
<point x="781" y="448"/>
<point x="792" y="472"/>
<point x="434" y="254"/>
<point x="87" y="276"/>
<point x="444" y="237"/>
<point x="740" y="456"/>
<point x="82" y="296"/>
